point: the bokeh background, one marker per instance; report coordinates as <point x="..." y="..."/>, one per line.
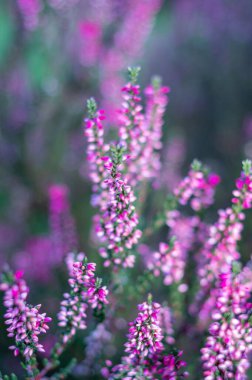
<point x="54" y="54"/>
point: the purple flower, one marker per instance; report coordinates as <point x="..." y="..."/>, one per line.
<point x="24" y="321"/>
<point x="86" y="290"/>
<point x="227" y="348"/>
<point x="146" y="357"/>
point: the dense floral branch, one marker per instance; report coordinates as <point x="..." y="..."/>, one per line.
<point x="227" y="349"/>
<point x="24" y="321"/>
<point x="145" y="353"/>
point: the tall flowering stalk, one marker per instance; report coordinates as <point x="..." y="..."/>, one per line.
<point x="226" y="351"/>
<point x="156" y="102"/>
<point x="62" y="225"/>
<point x="140" y="139"/>
<point x="145" y="351"/>
<point x="86" y="289"/>
<point x="132" y="129"/>
<point x="142" y="132"/>
<point x="185" y="232"/>
<point x="118" y="223"/>
<point x="24" y="321"/>
<point x="221" y="248"/>
<point x="96" y="148"/>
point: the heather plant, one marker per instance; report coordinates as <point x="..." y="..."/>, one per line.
<point x="182" y="271"/>
<point x="51" y="50"/>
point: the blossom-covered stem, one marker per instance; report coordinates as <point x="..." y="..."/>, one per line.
<point x="24" y="320"/>
<point x="96" y="149"/>
<point x="118" y="223"/>
<point x="142" y="132"/>
<point x="130" y="116"/>
<point x="227" y="348"/>
<point x="156" y="102"/>
<point x="145" y="357"/>
<point x="170" y="260"/>
<point x="197" y="188"/>
<point x="86" y="289"/>
<point x="221" y="249"/>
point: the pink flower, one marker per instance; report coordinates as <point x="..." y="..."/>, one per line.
<point x="228" y="346"/>
<point x="141" y="132"/>
<point x="24" y="321"/>
<point x="117" y="225"/>
<point x="198" y="188"/>
<point x="170" y="261"/>
<point x="221" y="248"/>
<point x="145" y="350"/>
<point x="86" y="290"/>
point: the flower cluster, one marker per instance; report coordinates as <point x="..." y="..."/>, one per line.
<point x="220" y="250"/>
<point x="225" y="355"/>
<point x="243" y="193"/>
<point x="86" y="290"/>
<point x="132" y="129"/>
<point x="118" y="223"/>
<point x="145" y="335"/>
<point x="156" y="102"/>
<point x="24" y="321"/>
<point x="187" y="230"/>
<point x="145" y="351"/>
<point x="170" y="261"/>
<point x="96" y="149"/>
<point x="197" y="189"/>
<point x="142" y="132"/>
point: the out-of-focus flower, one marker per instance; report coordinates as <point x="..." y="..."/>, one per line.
<point x="198" y="188"/>
<point x="62" y="226"/>
<point x="30" y="10"/>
